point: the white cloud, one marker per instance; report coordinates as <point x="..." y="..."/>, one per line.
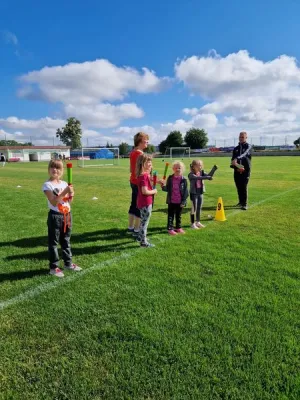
<point x="104" y="115"/>
<point x="238" y="72"/>
<point x="39" y="131"/>
<point x="126" y="133"/>
<point x="246" y="93"/>
<point x="91" y="82"/>
<point x="47" y="124"/>
<point x="9" y="38"/>
<point x="190" y="111"/>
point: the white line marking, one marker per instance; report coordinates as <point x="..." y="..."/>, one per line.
<point x="60" y="281"/>
<point x="44" y="287"/>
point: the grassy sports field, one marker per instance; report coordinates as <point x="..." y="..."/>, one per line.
<point x="213" y="314"/>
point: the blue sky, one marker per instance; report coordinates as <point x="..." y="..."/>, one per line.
<point x="155" y="66"/>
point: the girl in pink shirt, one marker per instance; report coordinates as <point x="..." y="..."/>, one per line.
<point x="145" y="196"/>
<point x="177" y="194"/>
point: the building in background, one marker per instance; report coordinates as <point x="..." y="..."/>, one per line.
<point x="34" y="153"/>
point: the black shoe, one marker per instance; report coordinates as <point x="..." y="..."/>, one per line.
<point x="135" y="234"/>
<point x="238" y="205"/>
<point x="244" y="208"/>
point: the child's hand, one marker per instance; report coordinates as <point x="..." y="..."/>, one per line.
<point x="210" y="178"/>
<point x="71" y="191"/>
<point x="162" y="182"/>
<point x="154" y="191"/>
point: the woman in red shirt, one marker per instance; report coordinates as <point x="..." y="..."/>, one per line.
<point x="141" y="140"/>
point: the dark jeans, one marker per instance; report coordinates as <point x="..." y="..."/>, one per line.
<point x="133" y="210"/>
<point x="56" y="236"/>
<point x="241" y="183"/>
<point x="174" y="210"/>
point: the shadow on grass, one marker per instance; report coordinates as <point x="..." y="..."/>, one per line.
<point x="17" y="275"/>
<point x="87" y="237"/>
<point x="165" y="210"/>
<point x="83" y="239"/>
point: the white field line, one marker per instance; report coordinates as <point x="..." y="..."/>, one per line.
<point x="45" y="287"/>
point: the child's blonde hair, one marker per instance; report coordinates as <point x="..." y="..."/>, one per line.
<point x="179" y="163"/>
<point x="140" y="163"/>
<point x="58" y="164"/>
<point x="196" y="163"/>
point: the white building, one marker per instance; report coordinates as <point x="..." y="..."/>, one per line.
<point x="34" y="153"/>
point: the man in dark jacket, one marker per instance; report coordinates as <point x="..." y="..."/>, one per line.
<point x="241" y="163"/>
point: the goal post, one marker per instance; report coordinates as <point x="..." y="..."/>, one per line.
<point x="96" y="156"/>
<point x="180" y="152"/>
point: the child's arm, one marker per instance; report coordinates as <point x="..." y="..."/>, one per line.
<point x="55" y="199"/>
<point x="193" y="177"/>
<point x="165" y="184"/>
<point x="185" y="194"/>
<point x="147" y="192"/>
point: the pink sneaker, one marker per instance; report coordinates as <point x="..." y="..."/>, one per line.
<point x="57" y="272"/>
<point x="172" y="232"/>
<point x="199" y="225"/>
<point x="73" y="267"/>
<point x="180" y="230"/>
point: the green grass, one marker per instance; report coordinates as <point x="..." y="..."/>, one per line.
<point x="213" y="314"/>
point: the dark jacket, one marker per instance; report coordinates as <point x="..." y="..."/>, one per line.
<point x="183" y="189"/>
<point x="242" y="153"/>
<point x="193" y="181"/>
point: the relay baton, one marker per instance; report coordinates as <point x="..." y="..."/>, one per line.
<point x="213" y="170"/>
<point x="70" y="176"/>
<point x="154" y="179"/>
<point x="166" y="170"/>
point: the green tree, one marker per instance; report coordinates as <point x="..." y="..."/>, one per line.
<point x="71" y="133"/>
<point x="196" y="138"/>
<point x="14" y="143"/>
<point x="150" y="149"/>
<point x="297" y="143"/>
<point x="162" y="147"/>
<point x="174" y="139"/>
<point x="124" y="148"/>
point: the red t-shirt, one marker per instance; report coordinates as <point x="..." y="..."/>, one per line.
<point x="133" y="158"/>
<point x="144" y="200"/>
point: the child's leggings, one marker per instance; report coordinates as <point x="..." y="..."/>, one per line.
<point x="174" y="210"/>
<point x="145" y="218"/>
<point x="197" y="201"/>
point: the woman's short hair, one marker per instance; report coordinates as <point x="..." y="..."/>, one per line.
<point x="139" y="137"/>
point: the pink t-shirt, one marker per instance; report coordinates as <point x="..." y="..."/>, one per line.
<point x="198" y="181"/>
<point x="144" y="200"/>
<point x="176" y="196"/>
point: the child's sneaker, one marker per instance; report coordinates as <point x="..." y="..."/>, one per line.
<point x="130" y="230"/>
<point x="135" y="233"/>
<point x="172" y="232"/>
<point x="180" y="230"/>
<point x="194" y="226"/>
<point x="199" y="225"/>
<point x="56" y="272"/>
<point x="147" y="245"/>
<point x="73" y="267"/>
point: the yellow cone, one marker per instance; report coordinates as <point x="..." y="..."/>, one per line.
<point x="220" y="214"/>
